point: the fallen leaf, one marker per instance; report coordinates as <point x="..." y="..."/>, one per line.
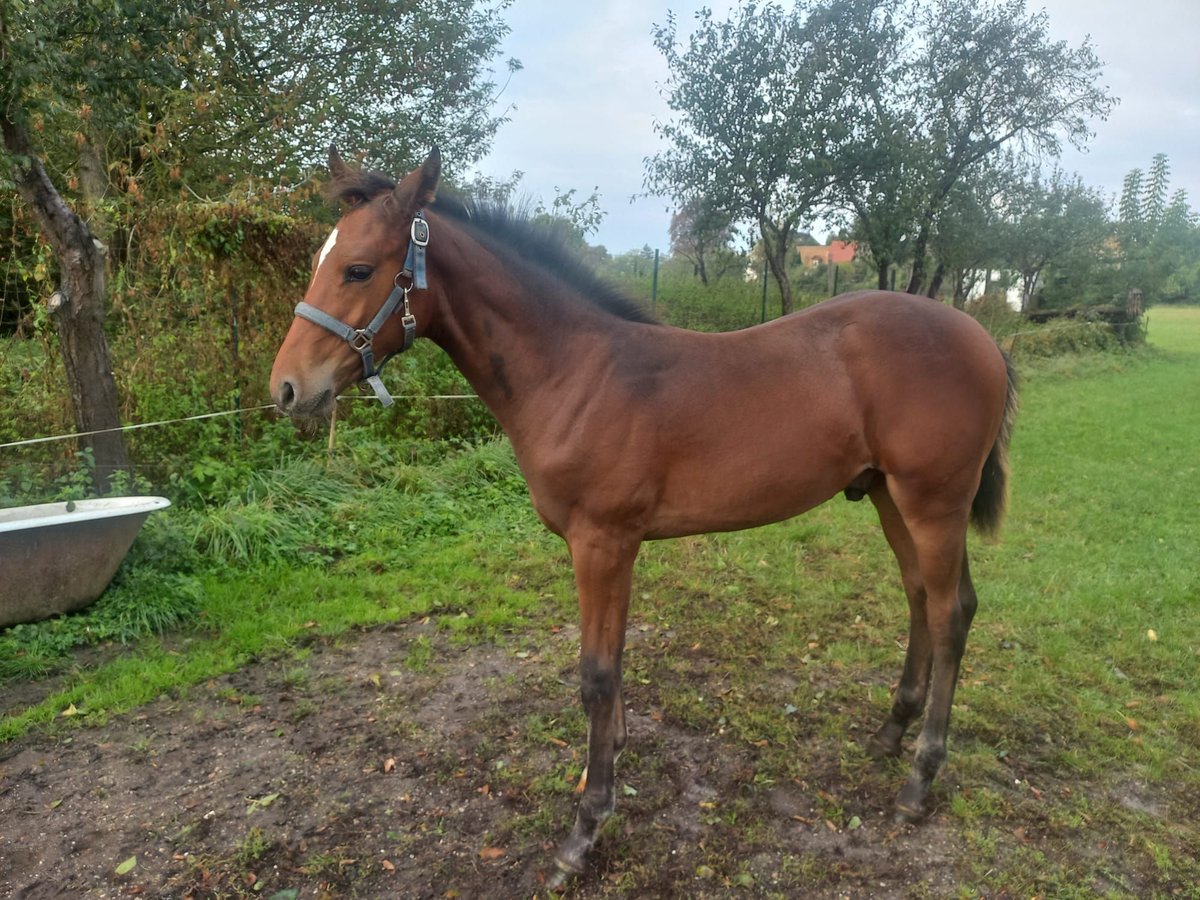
<point x="389" y="765"/>
<point x="1152" y="634"/>
<point x="1132" y="723"/>
<point x="258" y="803"/>
<point x="70" y="711"/>
<point x="388" y="864"/>
<point x="491" y="852"/>
<point x="128" y="866"/>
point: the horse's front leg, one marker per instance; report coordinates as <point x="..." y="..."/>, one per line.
<point x="603" y="575"/>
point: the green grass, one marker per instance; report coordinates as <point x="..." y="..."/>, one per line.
<point x="1079" y="679"/>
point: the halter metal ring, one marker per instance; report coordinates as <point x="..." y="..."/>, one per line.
<point x="361" y="340"/>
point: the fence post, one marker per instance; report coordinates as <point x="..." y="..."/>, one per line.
<point x="332" y="428"/>
<point x="654" y="287"/>
<point x="764" y="296"/>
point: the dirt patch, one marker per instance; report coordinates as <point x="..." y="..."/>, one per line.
<point x="394" y="764"/>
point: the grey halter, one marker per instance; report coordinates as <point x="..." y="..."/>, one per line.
<point x="362" y="339"/>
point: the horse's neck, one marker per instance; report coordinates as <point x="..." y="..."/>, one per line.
<point x="515" y="338"/>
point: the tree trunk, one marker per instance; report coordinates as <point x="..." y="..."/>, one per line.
<point x="1029" y="302"/>
<point x="959" y="298"/>
<point x="916" y="280"/>
<point x="78" y="307"/>
<point x="775" y="246"/>
<point x="881" y="268"/>
<point x="935" y="283"/>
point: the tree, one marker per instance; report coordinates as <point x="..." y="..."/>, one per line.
<point x="761" y="109"/>
<point x="1156" y="237"/>
<point x="969" y="235"/>
<point x="288" y="77"/>
<point x="107" y="106"/>
<point x="880" y="183"/>
<point x="993" y="78"/>
<point x="56" y="56"/>
<point x="1048" y="218"/>
<point x="697" y="232"/>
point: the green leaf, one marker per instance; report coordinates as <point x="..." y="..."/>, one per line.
<point x="128" y="866"/>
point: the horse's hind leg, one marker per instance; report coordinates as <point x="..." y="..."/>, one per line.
<point x="940" y="543"/>
<point x="909" y="699"/>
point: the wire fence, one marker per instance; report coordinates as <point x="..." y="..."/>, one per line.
<point x="212" y="415"/>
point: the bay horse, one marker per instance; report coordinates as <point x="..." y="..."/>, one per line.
<point x="628" y="430"/>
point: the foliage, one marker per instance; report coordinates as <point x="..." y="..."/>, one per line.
<point x="733" y="299"/>
<point x="1157" y="238"/>
<point x="761" y="107"/>
<point x="1046" y="221"/>
<point x="995" y="80"/>
<point x="700" y="233"/>
<point x="141" y="112"/>
<point x="881" y="107"/>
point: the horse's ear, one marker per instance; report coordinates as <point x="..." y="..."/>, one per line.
<point x="418" y="188"/>
<point x="337" y="168"/>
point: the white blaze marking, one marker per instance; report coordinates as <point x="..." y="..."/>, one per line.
<point x="329" y="242"/>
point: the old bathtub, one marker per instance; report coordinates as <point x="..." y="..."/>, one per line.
<point x="58" y="557"/>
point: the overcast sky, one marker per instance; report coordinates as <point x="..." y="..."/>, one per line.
<point x="583" y="108"/>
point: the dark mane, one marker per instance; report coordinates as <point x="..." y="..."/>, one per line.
<point x="537" y="242"/>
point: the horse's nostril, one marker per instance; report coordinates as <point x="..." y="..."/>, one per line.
<point x="287" y="396"/>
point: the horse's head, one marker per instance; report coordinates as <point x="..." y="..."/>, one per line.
<point x="354" y="313"/>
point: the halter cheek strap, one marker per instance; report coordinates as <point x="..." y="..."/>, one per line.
<point x="362" y="339"/>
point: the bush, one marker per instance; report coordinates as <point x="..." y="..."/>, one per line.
<point x="1061" y="338"/>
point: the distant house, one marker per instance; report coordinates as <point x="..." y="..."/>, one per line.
<point x="832" y="254"/>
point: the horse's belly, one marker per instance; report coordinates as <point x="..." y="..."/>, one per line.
<point x="745" y="495"/>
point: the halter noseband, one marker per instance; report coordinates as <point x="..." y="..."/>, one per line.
<point x="362" y="339"/>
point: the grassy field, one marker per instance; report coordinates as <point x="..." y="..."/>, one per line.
<point x="1075" y="749"/>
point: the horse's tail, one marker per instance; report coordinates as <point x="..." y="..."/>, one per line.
<point x="987" y="509"/>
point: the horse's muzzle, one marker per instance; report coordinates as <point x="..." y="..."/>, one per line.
<point x="294" y="403"/>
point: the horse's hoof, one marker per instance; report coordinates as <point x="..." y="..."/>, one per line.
<point x="908" y="815"/>
<point x="879" y="750"/>
<point x="562" y="875"/>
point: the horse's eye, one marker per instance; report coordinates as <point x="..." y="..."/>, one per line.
<point x="358" y="273"/>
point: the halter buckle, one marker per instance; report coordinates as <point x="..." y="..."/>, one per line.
<point x="361" y="340"/>
<point x="420" y="231"/>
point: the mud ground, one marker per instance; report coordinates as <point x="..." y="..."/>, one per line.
<point x="393" y="763"/>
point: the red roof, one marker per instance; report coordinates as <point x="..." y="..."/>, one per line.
<point x="834" y="253"/>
